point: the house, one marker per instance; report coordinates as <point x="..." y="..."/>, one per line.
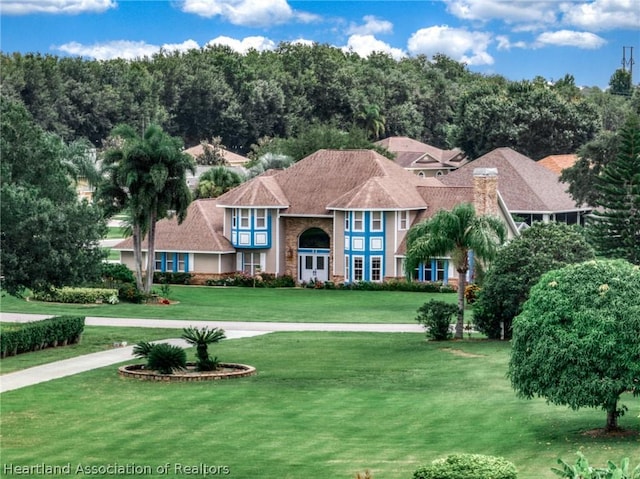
<point x="422" y="159"/>
<point x="338" y="215"/>
<point x="557" y="163"/>
<point x="232" y="160"/>
<point x="530" y="191"/>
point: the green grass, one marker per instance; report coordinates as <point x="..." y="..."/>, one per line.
<point x="94" y="339"/>
<point x="114" y="232"/>
<point x="323" y="405"/>
<point x="256" y="304"/>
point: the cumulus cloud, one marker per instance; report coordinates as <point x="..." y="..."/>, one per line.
<point x="568" y="38"/>
<point x="601" y="15"/>
<point x="522" y="11"/>
<point x="457" y="43"/>
<point x="128" y="50"/>
<point x="249" y="13"/>
<point x="365" y="45"/>
<point x="71" y="7"/>
<point x="504" y="43"/>
<point x="243" y="46"/>
<point x="371" y="26"/>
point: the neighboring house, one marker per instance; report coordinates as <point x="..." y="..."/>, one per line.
<point x="557" y="163"/>
<point x="531" y="191"/>
<point x="338" y="215"/>
<point x="233" y="160"/>
<point x="422" y="159"/>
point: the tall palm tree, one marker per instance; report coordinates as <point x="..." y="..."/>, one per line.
<point x="148" y="178"/>
<point x="455" y="233"/>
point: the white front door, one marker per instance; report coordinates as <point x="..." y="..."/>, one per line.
<point x="313" y="267"/>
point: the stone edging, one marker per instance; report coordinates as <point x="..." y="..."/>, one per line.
<point x="137" y="371"/>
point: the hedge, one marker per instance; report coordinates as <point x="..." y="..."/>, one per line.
<point x="467" y="466"/>
<point x="78" y="295"/>
<point x="51" y="332"/>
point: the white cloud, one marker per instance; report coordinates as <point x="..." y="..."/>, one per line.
<point x="520" y="11"/>
<point x="364" y="45"/>
<point x="372" y="25"/>
<point x="459" y="44"/>
<point x="504" y="43"/>
<point x="72" y="7"/>
<point x="243" y="46"/>
<point x="250" y="13"/>
<point x="602" y="14"/>
<point x="125" y="49"/>
<point x="568" y="38"/>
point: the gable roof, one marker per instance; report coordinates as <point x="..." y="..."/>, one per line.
<point x="333" y="179"/>
<point x="525" y="185"/>
<point x="412" y="154"/>
<point x="201" y="231"/>
<point x="557" y="163"/>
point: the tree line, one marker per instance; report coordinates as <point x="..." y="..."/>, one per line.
<point x="247" y="98"/>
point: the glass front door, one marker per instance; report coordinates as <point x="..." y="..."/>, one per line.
<point x="313" y="267"/>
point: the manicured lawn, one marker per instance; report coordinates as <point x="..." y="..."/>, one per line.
<point x="256" y="304"/>
<point x="94" y="339"/>
<point x="114" y="232"/>
<point x="323" y="405"/>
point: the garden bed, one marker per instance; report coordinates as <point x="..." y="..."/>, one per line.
<point x="225" y="371"/>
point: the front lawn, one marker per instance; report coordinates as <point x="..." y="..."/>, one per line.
<point x="323" y="405"/>
<point x="256" y="304"/>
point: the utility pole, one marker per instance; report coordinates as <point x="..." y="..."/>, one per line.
<point x="628" y="63"/>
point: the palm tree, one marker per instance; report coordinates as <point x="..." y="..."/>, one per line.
<point x="372" y="120"/>
<point x="147" y="177"/>
<point x="201" y="339"/>
<point x="216" y="181"/>
<point x="455" y="233"/>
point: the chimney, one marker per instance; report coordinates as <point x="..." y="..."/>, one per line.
<point x="485" y="191"/>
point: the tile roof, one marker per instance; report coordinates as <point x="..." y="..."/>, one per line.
<point x="557" y="163"/>
<point x="334" y="179"/>
<point x="525" y="185"/>
<point x="200" y="231"/>
<point x="414" y="154"/>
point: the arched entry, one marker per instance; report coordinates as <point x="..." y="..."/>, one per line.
<point x="313" y="255"/>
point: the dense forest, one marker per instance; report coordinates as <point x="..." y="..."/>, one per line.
<point x="245" y="98"/>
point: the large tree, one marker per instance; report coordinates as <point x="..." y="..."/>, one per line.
<point x="49" y="238"/>
<point x="148" y="178"/>
<point x="616" y="228"/>
<point x="518" y="266"/>
<point x="576" y="341"/>
<point x="455" y="233"/>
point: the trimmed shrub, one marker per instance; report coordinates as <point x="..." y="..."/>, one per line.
<point x="117" y="272"/>
<point x="77" y="295"/>
<point x="172" y="278"/>
<point x="165" y="358"/>
<point x="130" y="293"/>
<point x="436" y="316"/>
<point x="51" y="332"/>
<point x="467" y="466"/>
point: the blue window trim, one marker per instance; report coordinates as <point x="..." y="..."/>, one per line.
<point x="174" y="257"/>
<point x="251" y="230"/>
<point x="366" y="235"/>
<point x="433" y="263"/>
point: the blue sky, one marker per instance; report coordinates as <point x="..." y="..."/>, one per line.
<point x="519" y="39"/>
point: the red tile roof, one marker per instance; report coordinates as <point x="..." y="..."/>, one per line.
<point x="557" y="163"/>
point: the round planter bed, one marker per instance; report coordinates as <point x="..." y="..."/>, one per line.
<point x="225" y="371"/>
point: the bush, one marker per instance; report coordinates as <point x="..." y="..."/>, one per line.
<point x="436" y="316"/>
<point x="117" y="272"/>
<point x="130" y="293"/>
<point x="172" y="278"/>
<point x="467" y="466"/>
<point x="61" y="330"/>
<point x="262" y="280"/>
<point x="471" y="293"/>
<point x="165" y="358"/>
<point x="77" y="295"/>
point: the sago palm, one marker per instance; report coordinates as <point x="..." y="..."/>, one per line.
<point x="201" y="338"/>
<point x="455" y="233"/>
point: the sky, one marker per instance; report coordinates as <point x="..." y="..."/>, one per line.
<point x="518" y="39"/>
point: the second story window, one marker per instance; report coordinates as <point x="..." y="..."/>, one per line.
<point x="376" y="220"/>
<point x="245" y="215"/>
<point x="358" y="221"/>
<point x="261" y="218"/>
<point x="403" y="220"/>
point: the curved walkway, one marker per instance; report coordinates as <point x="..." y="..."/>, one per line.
<point x="233" y="330"/>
